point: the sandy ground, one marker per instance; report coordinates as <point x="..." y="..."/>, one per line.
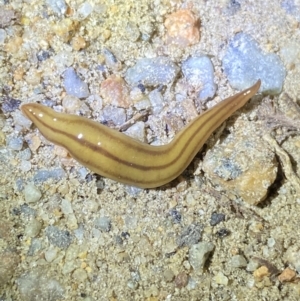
<point x="144" y="252"/>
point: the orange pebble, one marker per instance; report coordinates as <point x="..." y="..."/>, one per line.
<point x="115" y="92"/>
<point x="287" y="275"/>
<point x="182" y="28"/>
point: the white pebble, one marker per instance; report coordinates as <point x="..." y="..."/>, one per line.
<point x="85" y="10"/>
<point x="32" y="193"/>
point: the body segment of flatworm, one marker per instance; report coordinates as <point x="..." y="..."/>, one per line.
<point x="124" y="159"/>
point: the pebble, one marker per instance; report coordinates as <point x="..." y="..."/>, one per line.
<point x="33" y="228"/>
<point x="66" y="207"/>
<point x="287" y="275"/>
<point x="71" y="103"/>
<point x="181" y="280"/>
<point x="14" y="143"/>
<point x="57" y="6"/>
<point x="168" y="275"/>
<point x="43" y="175"/>
<point x="152" y="71"/>
<point x="116" y="115"/>
<point x="25" y="154"/>
<point x="221" y="279"/>
<point x="190" y="235"/>
<point x="25" y="165"/>
<point x="137" y="131"/>
<point x="238" y="261"/>
<point x="199" y="253"/>
<point x="80" y="275"/>
<point x="182" y="28"/>
<point x="10" y="104"/>
<point x="103" y="223"/>
<point x="35" y="246"/>
<point x="31" y="193"/>
<point x="157" y="101"/>
<point x="84" y="10"/>
<point x="292" y="256"/>
<point x="110" y="60"/>
<point x="78" y="43"/>
<point x="216" y="218"/>
<point x="244" y="63"/>
<point x="243" y="166"/>
<point x="21" y="120"/>
<point x="60" y="238"/>
<point x="132" y="31"/>
<point x="9" y="261"/>
<point x="35" y="285"/>
<point x="73" y="84"/>
<point x="261" y="272"/>
<point x="50" y="254"/>
<point x="199" y="72"/>
<point x="115" y="92"/>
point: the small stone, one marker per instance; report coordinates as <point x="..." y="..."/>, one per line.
<point x="35" y="247"/>
<point x="221" y="279"/>
<point x="242" y="165"/>
<point x="50" y="254"/>
<point x="110" y="60"/>
<point x="57" y="6"/>
<point x="116" y="115"/>
<point x="157" y="101"/>
<point x="199" y="253"/>
<point x="287" y="275"/>
<point x="137" y="131"/>
<point x="80" y="275"/>
<point x="181" y="280"/>
<point x="103" y="223"/>
<point x="74" y="85"/>
<point x="57" y="237"/>
<point x="78" y="43"/>
<point x="25" y="166"/>
<point x="244" y="63"/>
<point x="152" y="72"/>
<point x="66" y="207"/>
<point x="216" y="218"/>
<point x="84" y="10"/>
<point x="182" y="28"/>
<point x="292" y="256"/>
<point x="199" y="72"/>
<point x="168" y="275"/>
<point x="10" y="104"/>
<point x="33" y="228"/>
<point x="115" y="92"/>
<point x="32" y="193"/>
<point x="6" y="16"/>
<point x="132" y="31"/>
<point x="190" y="235"/>
<point x="9" y="262"/>
<point x="15" y="143"/>
<point x="44" y="175"/>
<point x="238" y="261"/>
<point x="261" y="272"/>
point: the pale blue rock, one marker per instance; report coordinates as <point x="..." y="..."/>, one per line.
<point x="244" y="63"/>
<point x="74" y="85"/>
<point x="199" y="72"/>
<point x="58" y="6"/>
<point x="152" y="71"/>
